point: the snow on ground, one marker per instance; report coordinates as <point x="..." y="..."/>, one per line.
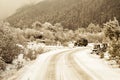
<point x="36" y="67"/>
<point x="95" y="66"/>
<point x="35" y="46"/>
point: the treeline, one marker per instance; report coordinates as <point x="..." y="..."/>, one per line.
<point x="72" y="14"/>
<point x="48" y="34"/>
<point x="56" y="33"/>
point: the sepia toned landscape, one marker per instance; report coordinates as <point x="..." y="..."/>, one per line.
<point x="60" y="40"/>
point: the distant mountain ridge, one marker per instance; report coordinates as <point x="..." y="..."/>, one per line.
<point x="71" y="13"/>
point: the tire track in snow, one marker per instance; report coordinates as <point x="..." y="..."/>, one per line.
<point x="51" y="70"/>
<point x="80" y="73"/>
<point x="64" y="71"/>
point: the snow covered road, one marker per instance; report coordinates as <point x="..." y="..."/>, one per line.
<point x="67" y="64"/>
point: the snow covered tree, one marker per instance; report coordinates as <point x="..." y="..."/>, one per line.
<point x="8" y="48"/>
<point x="112" y="32"/>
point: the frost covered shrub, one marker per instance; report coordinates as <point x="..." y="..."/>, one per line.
<point x="81" y="42"/>
<point x="92" y="28"/>
<point x="48" y="35"/>
<point x="19" y="35"/>
<point x="8" y="48"/>
<point x="112" y="32"/>
<point x="32" y="54"/>
<point x="115" y="49"/>
<point x="32" y="34"/>
<point x="93" y="38"/>
<point x="47" y="25"/>
<point x="29" y="33"/>
<point x="2" y="65"/>
<point x="58" y="27"/>
<point x="37" y="25"/>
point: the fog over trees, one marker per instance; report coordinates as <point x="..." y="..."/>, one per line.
<point x="71" y="14"/>
<point x="8" y="7"/>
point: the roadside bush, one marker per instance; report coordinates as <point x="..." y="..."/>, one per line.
<point x="91" y="37"/>
<point x="94" y="38"/>
<point x="2" y="65"/>
<point x="32" y="34"/>
<point x="81" y="42"/>
<point x="19" y="35"/>
<point x="115" y="49"/>
<point x="32" y="54"/>
<point x="92" y="28"/>
<point x="112" y="32"/>
<point x="8" y="48"/>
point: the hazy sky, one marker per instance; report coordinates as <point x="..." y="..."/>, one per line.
<point x="7" y="7"/>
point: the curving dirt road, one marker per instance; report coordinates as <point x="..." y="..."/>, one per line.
<point x="65" y="64"/>
<point x="69" y="69"/>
